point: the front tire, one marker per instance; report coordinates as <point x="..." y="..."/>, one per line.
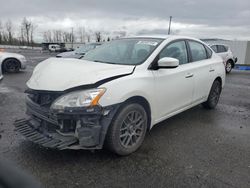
<point x="127" y="130"/>
<point x="11" y="66"/>
<point x="213" y="96"/>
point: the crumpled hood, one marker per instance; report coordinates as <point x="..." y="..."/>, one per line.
<point x="66" y="54"/>
<point x="56" y="74"/>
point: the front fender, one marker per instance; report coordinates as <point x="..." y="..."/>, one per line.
<point x="122" y="89"/>
<point x="20" y="58"/>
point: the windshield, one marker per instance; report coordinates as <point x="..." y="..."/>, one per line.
<point x="123" y="51"/>
<point x="85" y="48"/>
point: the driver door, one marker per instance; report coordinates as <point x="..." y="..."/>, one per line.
<point x="174" y="87"/>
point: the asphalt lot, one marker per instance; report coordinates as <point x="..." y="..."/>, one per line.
<point x="197" y="148"/>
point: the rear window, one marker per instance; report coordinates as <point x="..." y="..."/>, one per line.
<point x="209" y="52"/>
<point x="221" y="48"/>
<point x="198" y="51"/>
<point x="214" y="47"/>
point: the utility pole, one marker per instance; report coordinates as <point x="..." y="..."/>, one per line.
<point x="72" y="37"/>
<point x="169" y="26"/>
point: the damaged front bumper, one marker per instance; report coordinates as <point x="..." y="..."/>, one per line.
<point x="73" y="129"/>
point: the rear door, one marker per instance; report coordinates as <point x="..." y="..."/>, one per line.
<point x="203" y="69"/>
<point x="174" y="87"/>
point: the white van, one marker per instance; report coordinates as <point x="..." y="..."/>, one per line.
<point x="54" y="48"/>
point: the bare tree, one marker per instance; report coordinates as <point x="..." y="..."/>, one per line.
<point x="57" y="35"/>
<point x="72" y="36"/>
<point x="32" y="29"/>
<point x="98" y="36"/>
<point x="66" y="36"/>
<point x="27" y="29"/>
<point x="22" y="38"/>
<point x="5" y="37"/>
<point x="26" y="26"/>
<point x="81" y="34"/>
<point x="88" y="38"/>
<point x="9" y="30"/>
<point x="1" y="32"/>
<point x="25" y="35"/>
<point x="47" y="36"/>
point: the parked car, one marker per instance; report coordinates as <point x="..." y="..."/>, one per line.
<point x="1" y="73"/>
<point x="12" y="62"/>
<point x="79" y="52"/>
<point x="119" y="91"/>
<point x="226" y="54"/>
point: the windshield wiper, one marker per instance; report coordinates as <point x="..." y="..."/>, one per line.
<point x="104" y="62"/>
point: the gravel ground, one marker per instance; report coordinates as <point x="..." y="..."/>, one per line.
<point x="197" y="148"/>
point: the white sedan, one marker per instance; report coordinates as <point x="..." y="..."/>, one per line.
<point x="119" y="91"/>
<point x="1" y="74"/>
<point x="12" y="62"/>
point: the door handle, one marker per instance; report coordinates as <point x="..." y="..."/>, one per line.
<point x="189" y="75"/>
<point x="211" y="70"/>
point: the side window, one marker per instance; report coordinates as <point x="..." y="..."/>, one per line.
<point x="214" y="47"/>
<point x="198" y="51"/>
<point x="221" y="49"/>
<point x="176" y="50"/>
<point x="209" y="52"/>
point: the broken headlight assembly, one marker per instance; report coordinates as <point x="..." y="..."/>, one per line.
<point x="78" y="99"/>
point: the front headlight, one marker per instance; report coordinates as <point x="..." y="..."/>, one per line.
<point x="76" y="99"/>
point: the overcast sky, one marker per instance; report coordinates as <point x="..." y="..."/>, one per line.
<point x="228" y="19"/>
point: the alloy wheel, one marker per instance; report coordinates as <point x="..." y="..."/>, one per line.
<point x="228" y="67"/>
<point x="131" y="129"/>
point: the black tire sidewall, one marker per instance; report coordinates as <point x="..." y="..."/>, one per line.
<point x="210" y="103"/>
<point x="13" y="61"/>
<point x="114" y="142"/>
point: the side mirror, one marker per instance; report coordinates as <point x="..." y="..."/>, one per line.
<point x="168" y="62"/>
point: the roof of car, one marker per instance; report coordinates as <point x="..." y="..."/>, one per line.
<point x="162" y="37"/>
<point x="152" y="36"/>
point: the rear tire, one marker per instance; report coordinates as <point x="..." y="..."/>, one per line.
<point x="229" y="66"/>
<point x="127" y="130"/>
<point x="11" y="65"/>
<point x="213" y="96"/>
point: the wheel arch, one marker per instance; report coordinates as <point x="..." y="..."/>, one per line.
<point x="144" y="102"/>
<point x="220" y="80"/>
<point x="7" y="58"/>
